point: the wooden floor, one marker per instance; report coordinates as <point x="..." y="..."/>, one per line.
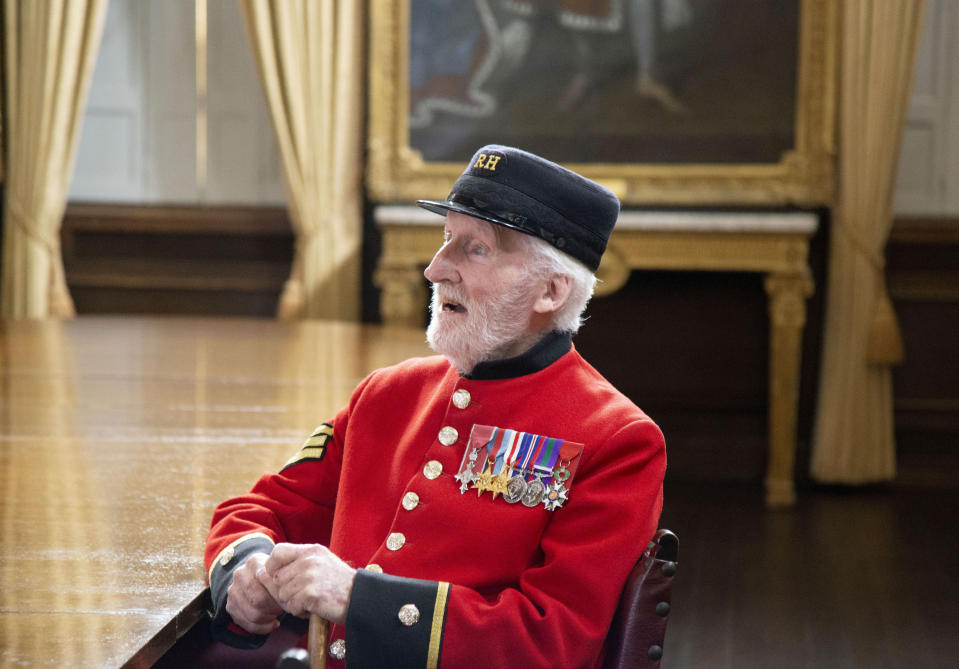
<point x="849" y="578"/>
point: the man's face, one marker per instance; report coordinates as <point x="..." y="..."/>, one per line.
<point x="483" y="294"/>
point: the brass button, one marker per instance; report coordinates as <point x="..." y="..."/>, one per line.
<point x="338" y="649"/>
<point x="409" y="615"/>
<point x="395" y="541"/>
<point x="410" y="501"/>
<point x="448" y="436"/>
<point x="433" y="469"/>
<point x="375" y="568"/>
<point x="461" y="398"/>
<point x="227" y="555"/>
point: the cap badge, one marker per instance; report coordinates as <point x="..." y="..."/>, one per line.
<point x="487" y="161"/>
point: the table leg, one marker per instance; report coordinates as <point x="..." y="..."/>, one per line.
<point x="787" y="294"/>
<point x="402" y="294"/>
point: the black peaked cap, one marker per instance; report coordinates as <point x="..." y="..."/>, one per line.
<point x="520" y="190"/>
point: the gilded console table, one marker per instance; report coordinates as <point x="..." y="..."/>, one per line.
<point x="775" y="244"/>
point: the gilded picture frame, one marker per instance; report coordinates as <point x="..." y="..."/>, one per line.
<point x="764" y="87"/>
<point x="3" y="106"/>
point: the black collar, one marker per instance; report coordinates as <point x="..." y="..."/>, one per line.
<point x="547" y="350"/>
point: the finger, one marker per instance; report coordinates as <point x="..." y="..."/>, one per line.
<point x="249" y="617"/>
<point x="268" y="582"/>
<point x="255" y="602"/>
<point x="282" y="555"/>
<point x="305" y="557"/>
<point x="255" y="628"/>
<point x="255" y="624"/>
<point x="246" y="580"/>
<point x="305" y="570"/>
<point x="262" y="599"/>
<point x="299" y="594"/>
<point x="250" y="599"/>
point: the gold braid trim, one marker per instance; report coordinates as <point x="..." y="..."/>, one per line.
<point x="436" y="631"/>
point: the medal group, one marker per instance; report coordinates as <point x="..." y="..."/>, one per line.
<point x="520" y="466"/>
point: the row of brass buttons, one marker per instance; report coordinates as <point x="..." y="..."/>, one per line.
<point x="409" y="614"/>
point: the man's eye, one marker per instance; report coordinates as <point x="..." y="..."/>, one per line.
<point x="479" y="250"/>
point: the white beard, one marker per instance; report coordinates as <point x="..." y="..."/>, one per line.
<point x="490" y="329"/>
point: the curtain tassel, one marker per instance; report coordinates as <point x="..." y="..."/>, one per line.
<point x="292" y="303"/>
<point x="884" y="343"/>
<point x="59" y="302"/>
<point x="291" y="300"/>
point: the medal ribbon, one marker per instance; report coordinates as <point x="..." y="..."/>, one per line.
<point x="526" y="442"/>
<point x="490" y="446"/>
<point x="531" y="455"/>
<point x="547" y="459"/>
<point x="505" y="447"/>
<point x="513" y="452"/>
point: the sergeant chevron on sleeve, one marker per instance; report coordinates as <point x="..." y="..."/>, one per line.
<point x="481" y="507"/>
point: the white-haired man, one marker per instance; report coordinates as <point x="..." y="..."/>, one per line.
<point x="480" y="507"/>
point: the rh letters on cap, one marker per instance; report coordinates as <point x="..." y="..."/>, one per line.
<point x="487" y="162"/>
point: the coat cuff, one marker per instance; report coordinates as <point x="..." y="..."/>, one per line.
<point x="221" y="576"/>
<point x="395" y="622"/>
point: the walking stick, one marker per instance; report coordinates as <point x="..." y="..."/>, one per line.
<point x="317" y="641"/>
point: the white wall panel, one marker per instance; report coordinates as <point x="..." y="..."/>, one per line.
<point x="138" y="142"/>
<point x="918" y="182"/>
<point x="170" y="151"/>
<point x="108" y="162"/>
<point x="269" y="173"/>
<point x="239" y="121"/>
<point x="173" y="160"/>
<point x="110" y="150"/>
<point x="928" y="178"/>
<point x="950" y="169"/>
<point x="233" y="159"/>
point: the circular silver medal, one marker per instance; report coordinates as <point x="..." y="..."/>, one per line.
<point x="515" y="489"/>
<point x="534" y="493"/>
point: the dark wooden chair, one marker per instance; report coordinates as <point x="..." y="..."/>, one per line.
<point x="638" y="630"/>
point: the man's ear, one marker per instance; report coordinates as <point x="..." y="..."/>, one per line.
<point x="555" y="293"/>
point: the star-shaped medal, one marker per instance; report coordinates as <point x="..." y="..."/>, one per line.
<point x="483" y="482"/>
<point x="499" y="483"/>
<point x="465" y="477"/>
<point x="555" y="497"/>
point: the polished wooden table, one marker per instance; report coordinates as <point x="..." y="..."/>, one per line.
<point x="775" y="244"/>
<point x="118" y="436"/>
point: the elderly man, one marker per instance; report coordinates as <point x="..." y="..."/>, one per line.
<point x="482" y="507"/>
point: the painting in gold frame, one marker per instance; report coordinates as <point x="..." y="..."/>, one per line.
<point x="3" y="105"/>
<point x="734" y="104"/>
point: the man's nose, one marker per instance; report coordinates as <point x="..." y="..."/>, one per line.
<point x="442" y="267"/>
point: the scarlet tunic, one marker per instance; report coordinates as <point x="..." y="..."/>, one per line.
<point x="494" y="584"/>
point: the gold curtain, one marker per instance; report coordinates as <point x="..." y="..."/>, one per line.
<point x="50" y="51"/>
<point x="309" y="55"/>
<point x="853" y="438"/>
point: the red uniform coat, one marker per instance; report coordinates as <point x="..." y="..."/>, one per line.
<point x="495" y="584"/>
